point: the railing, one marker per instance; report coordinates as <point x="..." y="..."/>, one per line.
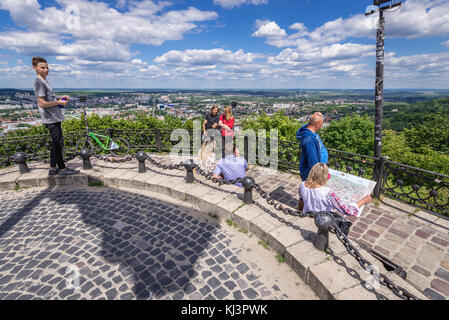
<point x="417" y="187"/>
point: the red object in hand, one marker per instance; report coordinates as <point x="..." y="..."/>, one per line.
<point x="328" y="176"/>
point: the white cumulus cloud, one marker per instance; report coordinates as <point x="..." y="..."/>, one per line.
<point x="229" y="4"/>
<point x="144" y="22"/>
<point x="268" y="29"/>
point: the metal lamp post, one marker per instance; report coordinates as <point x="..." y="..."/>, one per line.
<point x="380" y="6"/>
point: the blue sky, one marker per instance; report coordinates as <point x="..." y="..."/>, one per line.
<point x="222" y="44"/>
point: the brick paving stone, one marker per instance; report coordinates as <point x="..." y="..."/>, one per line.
<point x="357" y="230"/>
<point x="440" y="286"/>
<point x="443" y="274"/>
<point x="382" y="251"/>
<point x="250" y="293"/>
<point x="434" y="251"/>
<point x="445" y="264"/>
<point x="373" y="233"/>
<point x="178" y="296"/>
<point x="384" y="222"/>
<point x="242" y="268"/>
<point x="429" y="229"/>
<point x="395" y="239"/>
<point x="205" y="290"/>
<point x="399" y="233"/>
<point x="418" y="280"/>
<point x="414" y="223"/>
<point x="213" y="282"/>
<point x="354" y="235"/>
<point x="422" y="234"/>
<point x="404" y="260"/>
<point x="439" y="241"/>
<point x="238" y="295"/>
<point x="221" y="293"/>
<point x="189" y="288"/>
<point x="433" y="294"/>
<point x="421" y="270"/>
<point x="426" y="261"/>
<point x="369" y="238"/>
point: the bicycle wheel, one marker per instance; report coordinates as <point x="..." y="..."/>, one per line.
<point x="84" y="144"/>
<point x="122" y="149"/>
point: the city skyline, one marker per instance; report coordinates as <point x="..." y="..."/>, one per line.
<point x="229" y="44"/>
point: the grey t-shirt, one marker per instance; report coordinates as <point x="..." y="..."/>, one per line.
<point x="43" y="89"/>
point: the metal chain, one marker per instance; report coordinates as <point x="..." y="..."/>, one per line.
<point x="383" y="279"/>
<point x="210" y="177"/>
<point x="113" y="160"/>
<point x="280" y="207"/>
<point x="70" y="158"/>
<point x="164" y="166"/>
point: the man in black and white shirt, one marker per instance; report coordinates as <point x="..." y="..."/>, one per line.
<point x="51" y="115"/>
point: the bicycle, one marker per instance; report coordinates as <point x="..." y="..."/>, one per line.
<point x="119" y="147"/>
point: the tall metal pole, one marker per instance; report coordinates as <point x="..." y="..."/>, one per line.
<point x="379" y="93"/>
<point x="154" y="106"/>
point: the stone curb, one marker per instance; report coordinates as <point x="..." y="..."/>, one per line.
<point x="330" y="277"/>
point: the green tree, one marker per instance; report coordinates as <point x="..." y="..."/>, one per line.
<point x="397" y="147"/>
<point x="350" y="134"/>
<point x="286" y="126"/>
<point x="432" y="134"/>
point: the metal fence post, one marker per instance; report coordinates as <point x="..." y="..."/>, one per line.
<point x="257" y="149"/>
<point x="20" y="158"/>
<point x="141" y="157"/>
<point x="323" y="221"/>
<point x="111" y="132"/>
<point x="189" y="165"/>
<point x="248" y="183"/>
<point x="245" y="147"/>
<point x="85" y="154"/>
<point x="380" y="165"/>
<point x="158" y="140"/>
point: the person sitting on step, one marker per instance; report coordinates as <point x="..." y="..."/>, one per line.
<point x="315" y="196"/>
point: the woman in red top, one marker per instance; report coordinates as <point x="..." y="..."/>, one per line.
<point x="226" y="123"/>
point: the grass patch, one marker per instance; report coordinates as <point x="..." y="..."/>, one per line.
<point x="231" y="223"/>
<point x="264" y="244"/>
<point x="96" y="184"/>
<point x="243" y="230"/>
<point x="240" y="206"/>
<point x="16" y="187"/>
<point x="280" y="258"/>
<point x="376" y="202"/>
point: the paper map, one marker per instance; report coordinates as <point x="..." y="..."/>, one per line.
<point x="350" y="187"/>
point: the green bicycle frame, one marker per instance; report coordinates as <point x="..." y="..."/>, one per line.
<point x="108" y="141"/>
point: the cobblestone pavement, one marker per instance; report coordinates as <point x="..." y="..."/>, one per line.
<point x="415" y="240"/>
<point x="100" y="243"/>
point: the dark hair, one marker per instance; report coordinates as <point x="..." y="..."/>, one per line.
<point x="36" y="60"/>
<point x="211" y="109"/>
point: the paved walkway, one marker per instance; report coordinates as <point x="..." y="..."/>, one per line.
<point x="415" y="240"/>
<point x="100" y="243"/>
